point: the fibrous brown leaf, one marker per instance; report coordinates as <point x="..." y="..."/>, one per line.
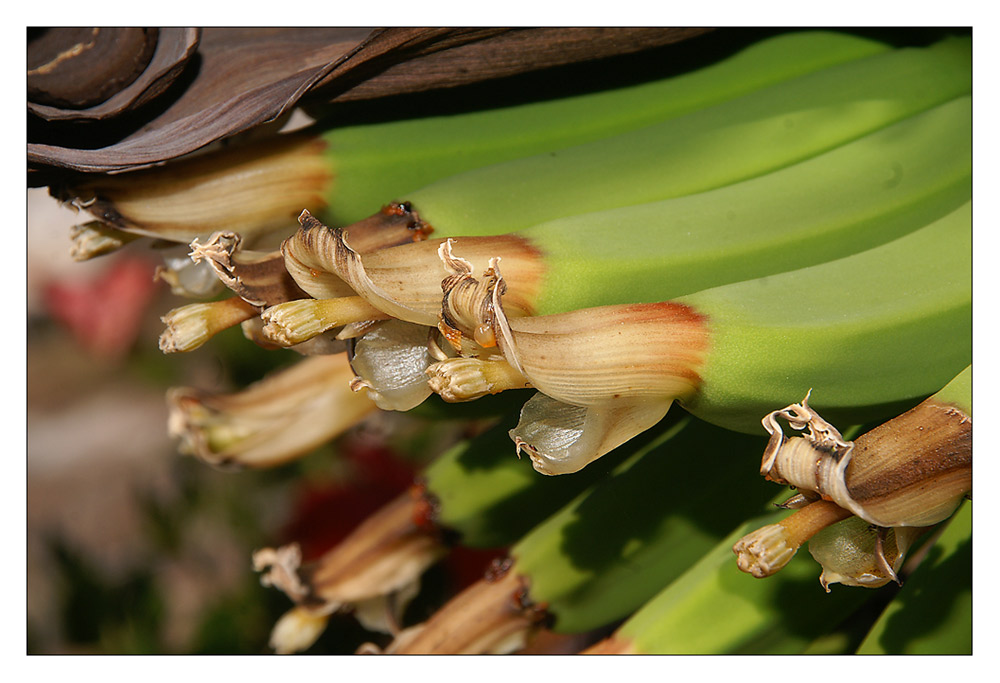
<point x="244" y="77"/>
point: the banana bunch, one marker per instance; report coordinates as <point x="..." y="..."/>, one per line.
<point x="794" y="220"/>
<point x="344" y="173"/>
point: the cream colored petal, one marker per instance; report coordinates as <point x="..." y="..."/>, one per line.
<point x="189" y="327"/>
<point x="94" y="238"/>
<point x="591" y="356"/>
<point x="187" y="278"/>
<point x="384" y="613"/>
<point x="466" y="379"/>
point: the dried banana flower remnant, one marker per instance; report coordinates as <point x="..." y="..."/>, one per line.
<point x="604" y="374"/>
<point x="768" y="549"/>
<point x="94" y="239"/>
<point x="374" y="572"/>
<point x="492" y="616"/>
<point x="313" y="253"/>
<point x="864" y="502"/>
<point x="911" y="471"/>
<point x="279" y="418"/>
<point x="294" y="322"/>
<point x="406" y="281"/>
<point x="297" y="630"/>
<point x="259" y="277"/>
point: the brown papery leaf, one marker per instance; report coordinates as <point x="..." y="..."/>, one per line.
<point x="242" y="78"/>
<point x="80" y="68"/>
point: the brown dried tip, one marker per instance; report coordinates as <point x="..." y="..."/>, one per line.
<point x="493" y="616"/>
<point x="914" y="470"/>
<point x="614" y="645"/>
<point x="374" y="571"/>
<point x="257" y="277"/>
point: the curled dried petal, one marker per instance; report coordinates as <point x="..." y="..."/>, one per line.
<point x="911" y="471"/>
<point x="258" y="277"/>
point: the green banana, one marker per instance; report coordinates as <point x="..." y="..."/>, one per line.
<point x="932" y="614"/>
<point x="372" y="163"/>
<point x="762" y="131"/>
<point x="346" y="173"/>
<point x="846" y="200"/>
<point x="859" y="336"/>
<point x="619" y="541"/>
<point x="785" y="613"/>
<point x="957" y="392"/>
<point x="617" y="544"/>
<point x="714" y="609"/>
<point x="856" y="330"/>
<point x="858" y="196"/>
